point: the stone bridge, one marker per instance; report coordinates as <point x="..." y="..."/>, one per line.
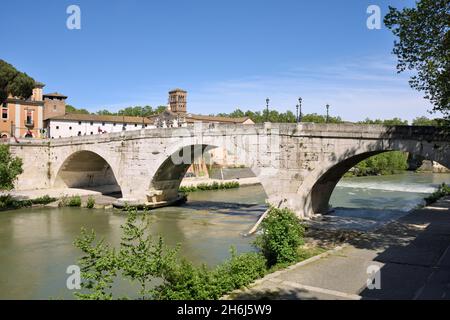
<point x="298" y="165"/>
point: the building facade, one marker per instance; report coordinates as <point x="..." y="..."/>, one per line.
<point x="23" y="118"/>
<point x="72" y="125"/>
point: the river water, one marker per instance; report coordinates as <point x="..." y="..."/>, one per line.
<point x="36" y="245"/>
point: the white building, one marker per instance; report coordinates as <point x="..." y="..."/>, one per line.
<point x="73" y="124"/>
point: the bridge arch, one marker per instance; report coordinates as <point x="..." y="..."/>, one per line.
<point x="86" y="169"/>
<point x="174" y="164"/>
<point x="322" y="181"/>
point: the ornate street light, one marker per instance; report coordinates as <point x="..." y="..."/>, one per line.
<point x="296" y="118"/>
<point x="267" y="109"/>
<point x="300" y="108"/>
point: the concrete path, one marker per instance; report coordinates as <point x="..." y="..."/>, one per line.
<point x="413" y="254"/>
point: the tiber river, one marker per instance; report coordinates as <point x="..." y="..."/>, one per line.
<point x="37" y="244"/>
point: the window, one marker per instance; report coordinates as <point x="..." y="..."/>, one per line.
<point x="135" y="125"/>
<point x="114" y="124"/>
<point x="4" y="112"/>
<point x="79" y="122"/>
<point x="92" y="133"/>
<point x="70" y="128"/>
<point x="103" y="124"/>
<point x="54" y="107"/>
<point x="29" y="117"/>
<point x="57" y="127"/>
<point x="92" y="123"/>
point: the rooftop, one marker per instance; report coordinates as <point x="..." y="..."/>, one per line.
<point x="102" y="118"/>
<point x="55" y="95"/>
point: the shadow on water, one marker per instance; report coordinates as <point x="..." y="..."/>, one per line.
<point x="228" y="208"/>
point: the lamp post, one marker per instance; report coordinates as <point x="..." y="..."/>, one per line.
<point x="267" y="109"/>
<point x="300" y="108"/>
<point x="328" y="112"/>
<point x="296" y="118"/>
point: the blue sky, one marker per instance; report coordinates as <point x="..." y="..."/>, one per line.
<point x="226" y="53"/>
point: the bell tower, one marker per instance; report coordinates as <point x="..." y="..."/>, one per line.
<point x="178" y="101"/>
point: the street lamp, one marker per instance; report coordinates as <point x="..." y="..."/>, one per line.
<point x="267" y="109"/>
<point x="328" y="112"/>
<point x="300" y="108"/>
<point x="296" y="118"/>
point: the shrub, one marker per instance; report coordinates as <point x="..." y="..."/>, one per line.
<point x="90" y="202"/>
<point x="282" y="235"/>
<point x="44" y="200"/>
<point x="442" y="191"/>
<point x="74" y="201"/>
<point x="239" y="271"/>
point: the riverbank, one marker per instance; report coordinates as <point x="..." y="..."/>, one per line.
<point x="412" y="255"/>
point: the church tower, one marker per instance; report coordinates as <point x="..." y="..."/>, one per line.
<point x="178" y="101"/>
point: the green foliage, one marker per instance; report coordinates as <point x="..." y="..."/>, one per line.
<point x="44" y="200"/>
<point x="74" y="201"/>
<point x="282" y="235"/>
<point x="184" y="281"/>
<point x="72" y="109"/>
<point x="10" y="168"/>
<point x="141" y="257"/>
<point x="136" y="111"/>
<point x="98" y="265"/>
<point x="382" y="164"/>
<point x="386" y="122"/>
<point x="213" y="186"/>
<point x="442" y="191"/>
<point x="14" y="82"/>
<point x="424" y="121"/>
<point x="7" y="202"/>
<point x="424" y="46"/>
<point x="90" y="202"/>
<point x="279" y="117"/>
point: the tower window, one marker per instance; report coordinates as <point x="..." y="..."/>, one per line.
<point x="79" y="122"/>
<point x="4" y="113"/>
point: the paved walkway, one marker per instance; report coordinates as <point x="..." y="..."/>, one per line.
<point x="413" y="255"/>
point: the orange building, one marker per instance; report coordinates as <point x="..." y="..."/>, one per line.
<point x="23" y="118"/>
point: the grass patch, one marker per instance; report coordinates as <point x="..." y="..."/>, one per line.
<point x="210" y="186"/>
<point x="90" y="202"/>
<point x="9" y="203"/>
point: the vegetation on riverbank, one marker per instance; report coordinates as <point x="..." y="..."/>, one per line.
<point x="74" y="201"/>
<point x="10" y="167"/>
<point x="442" y="191"/>
<point x="7" y="202"/>
<point x="210" y="186"/>
<point x="142" y="258"/>
<point x="382" y="164"/>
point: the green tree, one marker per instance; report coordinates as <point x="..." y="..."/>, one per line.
<point x="424" y="46"/>
<point x="10" y="168"/>
<point x="14" y="82"/>
<point x="72" y="109"/>
<point x="424" y="121"/>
